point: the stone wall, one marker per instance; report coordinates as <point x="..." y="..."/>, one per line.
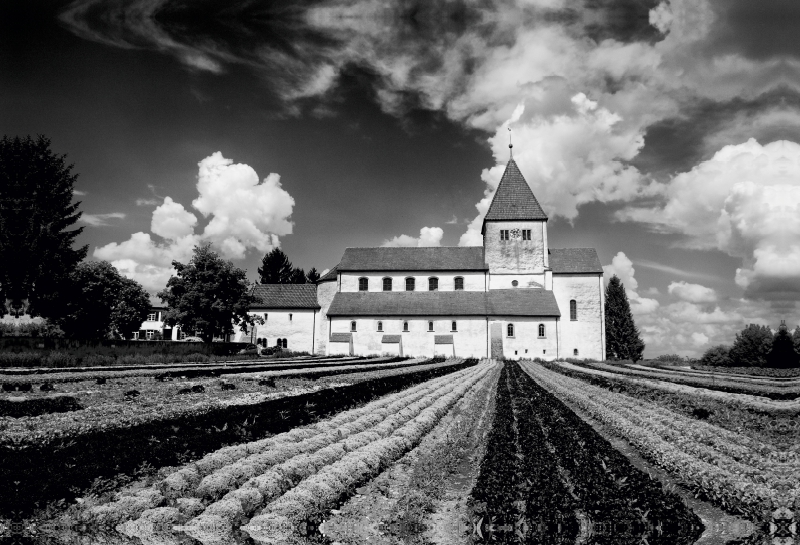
<point x="515" y="255"/>
<point x="586" y="334"/>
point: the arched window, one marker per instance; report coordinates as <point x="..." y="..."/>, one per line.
<point x="573" y="310"/>
<point x="510" y="330"/>
<point x="433" y="284"/>
<point x="541" y="330"/>
<point x="353" y="325"/>
<point x="430" y="326"/>
<point x="405" y="326"/>
<point x="285" y="343"/>
<point x="380" y="326"/>
<point x="363" y="284"/>
<point x="279" y="343"/>
<point x="575" y="352"/>
<point x="387" y="284"/>
<point x="410" y="284"/>
<point x="459" y="283"/>
<point x="454" y="326"/>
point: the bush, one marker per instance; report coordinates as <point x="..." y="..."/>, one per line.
<point x="59" y="359"/>
<point x="718" y="356"/>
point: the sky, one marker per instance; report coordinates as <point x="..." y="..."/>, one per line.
<point x="663" y="133"/>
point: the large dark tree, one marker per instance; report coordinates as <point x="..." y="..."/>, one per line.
<point x="104" y="303"/>
<point x="312" y="276"/>
<point x="751" y="346"/>
<point x="275" y="268"/>
<point x="209" y="295"/>
<point x="298" y="277"/>
<point x="623" y="341"/>
<point x="783" y="354"/>
<point x="36" y="212"/>
<point x="796" y="339"/>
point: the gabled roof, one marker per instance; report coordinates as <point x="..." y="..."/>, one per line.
<point x="514" y="302"/>
<point x="442" y="258"/>
<point x="285" y="296"/>
<point x="513" y="199"/>
<point x="574" y="260"/>
<point x="330" y="276"/>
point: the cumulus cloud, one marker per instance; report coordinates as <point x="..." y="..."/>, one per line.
<point x="243" y="214"/>
<point x="100" y="220"/>
<point x="693" y="293"/>
<point x="428" y="236"/>
<point x="744" y="201"/>
<point x="622" y="266"/>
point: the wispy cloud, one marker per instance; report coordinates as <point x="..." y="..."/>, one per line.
<point x="147" y="202"/>
<point x="101" y="220"/>
<point x="78" y="193"/>
<point x="452" y="221"/>
<point x="673" y="270"/>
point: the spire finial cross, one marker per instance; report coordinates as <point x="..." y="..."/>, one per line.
<point x="510" y="145"/>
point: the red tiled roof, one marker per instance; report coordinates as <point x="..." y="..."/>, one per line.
<point x="574" y="260"/>
<point x="513" y="199"/>
<point x="285" y="296"/>
<point x="442" y="258"/>
<point x="514" y="302"/>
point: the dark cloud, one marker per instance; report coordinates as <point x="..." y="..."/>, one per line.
<point x="757" y="30"/>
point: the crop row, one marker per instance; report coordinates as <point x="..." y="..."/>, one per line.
<point x="567" y="478"/>
<point x="719" y="372"/>
<point x="712" y="474"/>
<point x="302" y="469"/>
<point x="59" y="468"/>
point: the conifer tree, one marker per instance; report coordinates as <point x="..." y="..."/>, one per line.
<point x="312" y="276"/>
<point x="275" y="268"/>
<point x="623" y="341"/>
<point x="783" y="354"/>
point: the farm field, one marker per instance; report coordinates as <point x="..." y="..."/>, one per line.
<point x="445" y="453"/>
<point x="736" y="455"/>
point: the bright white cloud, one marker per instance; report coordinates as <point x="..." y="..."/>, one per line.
<point x="100" y="220"/>
<point x="428" y="236"/>
<point x="243" y="214"/>
<point x="693" y="293"/>
<point x="622" y="266"/>
<point x="744" y="201"/>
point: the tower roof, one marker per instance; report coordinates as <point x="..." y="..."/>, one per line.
<point x="513" y="199"/>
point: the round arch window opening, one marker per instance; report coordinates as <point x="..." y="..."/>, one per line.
<point x="514" y="283"/>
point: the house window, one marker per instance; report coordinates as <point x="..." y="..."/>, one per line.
<point x="380" y="326"/>
<point x="181" y="335"/>
<point x="387" y="284"/>
<point x="503" y="234"/>
<point x="430" y="326"/>
<point x="410" y="283"/>
<point x="353" y="326"/>
<point x="151" y="317"/>
<point x="575" y="352"/>
<point x="459" y="283"/>
<point x="541" y="331"/>
<point x="453" y="328"/>
<point x="150" y="334"/>
<point x="573" y="310"/>
<point x="135" y="336"/>
<point x="433" y="284"/>
<point x="363" y="284"/>
<point x="510" y="330"/>
<point x="526" y="234"/>
<point x="405" y="326"/>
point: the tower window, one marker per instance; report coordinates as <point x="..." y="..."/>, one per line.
<point x="353" y="325"/>
<point x="363" y="284"/>
<point x="387" y="284"/>
<point x="526" y="234"/>
<point x="575" y="352"/>
<point x="573" y="310"/>
<point x="454" y="328"/>
<point x="459" y="283"/>
<point x="433" y="284"/>
<point x="510" y="330"/>
<point x="410" y="284"/>
<point x="541" y="331"/>
<point x="380" y="326"/>
<point x="504" y="234"/>
<point x="405" y="326"/>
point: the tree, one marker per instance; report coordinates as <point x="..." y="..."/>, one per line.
<point x="751" y="346"/>
<point x="717" y="356"/>
<point x="796" y="339"/>
<point x="104" y="301"/>
<point x="623" y="341"/>
<point x="312" y="276"/>
<point x="298" y="276"/>
<point x="275" y="268"/>
<point x="783" y="354"/>
<point x="208" y="295"/>
<point x="36" y="210"/>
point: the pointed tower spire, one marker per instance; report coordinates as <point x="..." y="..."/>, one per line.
<point x="513" y="199"/>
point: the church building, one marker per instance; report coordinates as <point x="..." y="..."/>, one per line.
<point x="513" y="297"/>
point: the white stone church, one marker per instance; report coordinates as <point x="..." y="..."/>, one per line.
<point x="513" y="297"/>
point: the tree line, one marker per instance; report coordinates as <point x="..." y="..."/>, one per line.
<point x="757" y="346"/>
<point x="42" y="275"/>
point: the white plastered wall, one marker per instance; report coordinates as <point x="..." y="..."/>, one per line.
<point x="473" y="280"/>
<point x="297" y="330"/>
<point x="526" y="342"/>
<point x="325" y="293"/>
<point x="586" y="333"/>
